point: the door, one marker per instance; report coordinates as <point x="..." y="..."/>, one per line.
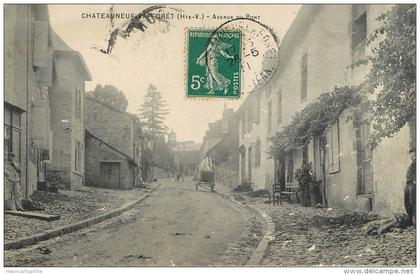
<point x="364" y="159"/>
<point x="110" y="175"/>
<point x="280" y="169"/>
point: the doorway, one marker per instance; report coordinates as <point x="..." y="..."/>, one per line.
<point x="110" y="175"/>
<point x="364" y="160"/>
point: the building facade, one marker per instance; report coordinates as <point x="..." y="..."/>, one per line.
<point x="186" y="155"/>
<point x="114" y="146"/>
<point x="27" y="131"/>
<point x="33" y="78"/>
<point x="220" y="143"/>
<point x="314" y="57"/>
<point x="67" y="123"/>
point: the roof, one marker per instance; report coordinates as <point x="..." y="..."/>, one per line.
<point x="185" y="146"/>
<point x="61" y="48"/>
<point x="130" y="115"/>
<point x="208" y="144"/>
<point x="133" y="116"/>
<point x="111" y="147"/>
<point x="296" y="32"/>
<point x="251" y="96"/>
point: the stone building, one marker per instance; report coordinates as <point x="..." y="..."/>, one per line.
<point x="186" y="155"/>
<point x="221" y="142"/>
<point x="66" y="99"/>
<point x="254" y="166"/>
<point x="314" y="57"/>
<point x="34" y="74"/>
<point x="28" y="76"/>
<point x="114" y="146"/>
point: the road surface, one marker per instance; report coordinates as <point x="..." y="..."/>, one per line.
<point x="175" y="226"/>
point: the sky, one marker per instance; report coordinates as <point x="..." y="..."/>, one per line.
<point x="157" y="56"/>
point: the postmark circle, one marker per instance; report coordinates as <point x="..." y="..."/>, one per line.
<point x="259" y="57"/>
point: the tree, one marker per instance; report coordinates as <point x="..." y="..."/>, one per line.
<point x="392" y="79"/>
<point x="152" y="113"/>
<point x="164" y="156"/>
<point x="110" y="95"/>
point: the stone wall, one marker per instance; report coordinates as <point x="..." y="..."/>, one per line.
<point x="110" y="125"/>
<point x="97" y="152"/>
<point x="23" y="88"/>
<point x="68" y="129"/>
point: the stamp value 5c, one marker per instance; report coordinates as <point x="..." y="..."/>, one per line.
<point x="213" y="63"/>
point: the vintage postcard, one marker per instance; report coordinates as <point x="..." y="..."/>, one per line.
<point x="210" y="135"/>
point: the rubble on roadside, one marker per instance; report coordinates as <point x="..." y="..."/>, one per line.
<point x="71" y="205"/>
<point x="316" y="236"/>
<point x="336" y="238"/>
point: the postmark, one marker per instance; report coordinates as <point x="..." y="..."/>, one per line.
<point x="259" y="51"/>
<point x="213" y="63"/>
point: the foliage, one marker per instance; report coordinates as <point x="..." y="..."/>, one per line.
<point x="152" y="113"/>
<point x="163" y="156"/>
<point x="314" y="119"/>
<point x="110" y="95"/>
<point x="392" y="78"/>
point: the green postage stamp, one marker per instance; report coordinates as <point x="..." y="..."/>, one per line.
<point x="213" y="63"/>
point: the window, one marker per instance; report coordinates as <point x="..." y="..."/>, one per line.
<point x="279" y="108"/>
<point x="269" y="118"/>
<point x="289" y="177"/>
<point x="359" y="25"/>
<point x="334" y="149"/>
<point x="304" y="78"/>
<point x="258" y="153"/>
<point x="77" y="156"/>
<point x="12" y="131"/>
<point x="78" y="104"/>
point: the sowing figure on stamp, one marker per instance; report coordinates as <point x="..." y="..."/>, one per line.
<point x="215" y="80"/>
<point x="12" y="175"/>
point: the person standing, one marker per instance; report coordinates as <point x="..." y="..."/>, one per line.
<point x="12" y="175"/>
<point x="410" y="189"/>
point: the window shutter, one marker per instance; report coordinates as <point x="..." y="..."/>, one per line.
<point x="336" y="148"/>
<point x="40" y="37"/>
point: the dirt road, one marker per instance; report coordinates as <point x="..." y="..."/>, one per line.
<point x="175" y="226"/>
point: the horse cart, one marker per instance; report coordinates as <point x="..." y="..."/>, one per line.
<point x="206" y="174"/>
